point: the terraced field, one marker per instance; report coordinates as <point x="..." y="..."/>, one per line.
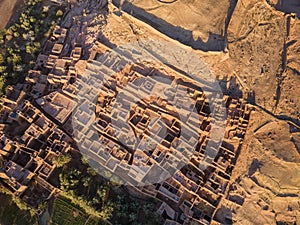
<point x="66" y="213"/>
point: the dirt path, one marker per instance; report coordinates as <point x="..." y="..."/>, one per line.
<point x="7" y="10"/>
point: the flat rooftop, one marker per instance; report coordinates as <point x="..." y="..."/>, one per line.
<point x="57" y="105"/>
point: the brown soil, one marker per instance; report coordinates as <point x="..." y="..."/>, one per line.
<point x="8" y="8"/>
<point x="264" y="54"/>
<point x="264" y="57"/>
<point x="198" y="24"/>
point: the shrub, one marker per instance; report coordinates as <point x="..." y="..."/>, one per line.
<point x="59" y="13"/>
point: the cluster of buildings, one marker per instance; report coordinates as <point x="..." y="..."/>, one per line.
<point x="29" y="143"/>
<point x="149" y="128"/>
<point x="146" y="126"/>
<point x="206" y="196"/>
<point x="32" y="137"/>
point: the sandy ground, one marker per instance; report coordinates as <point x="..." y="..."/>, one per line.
<point x="200" y="17"/>
<point x="198" y="24"/>
<point x="267" y="173"/>
<point x="7" y="9"/>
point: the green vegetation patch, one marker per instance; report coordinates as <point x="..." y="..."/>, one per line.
<point x="86" y="190"/>
<point x="12" y="214"/>
<point x="103" y="199"/>
<point x="21" y="42"/>
<point x="65" y="212"/>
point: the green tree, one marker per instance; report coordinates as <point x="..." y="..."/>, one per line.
<point x="1" y="58"/>
<point x="86" y="181"/>
<point x="59" y="13"/>
<point x="84" y="160"/>
<point x="16" y="34"/>
<point x="2" y="69"/>
<point x="61" y="160"/>
<point x="26" y="25"/>
<point x="2" y="36"/>
<point x="42" y="206"/>
<point x="32" y="19"/>
<point x="91" y="171"/>
<point x="106" y="211"/>
<point x="33" y="48"/>
<point x="31" y="63"/>
<point x="2" y="84"/>
<point x="132" y="217"/>
<point x="101" y="192"/>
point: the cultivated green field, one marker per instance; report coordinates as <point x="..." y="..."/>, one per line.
<point x="66" y="213"/>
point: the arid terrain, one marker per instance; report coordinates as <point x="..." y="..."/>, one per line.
<point x="263" y="58"/>
<point x="7" y="9"/>
<point x="197" y="24"/>
<point x="252" y="48"/>
<point x="263" y="45"/>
